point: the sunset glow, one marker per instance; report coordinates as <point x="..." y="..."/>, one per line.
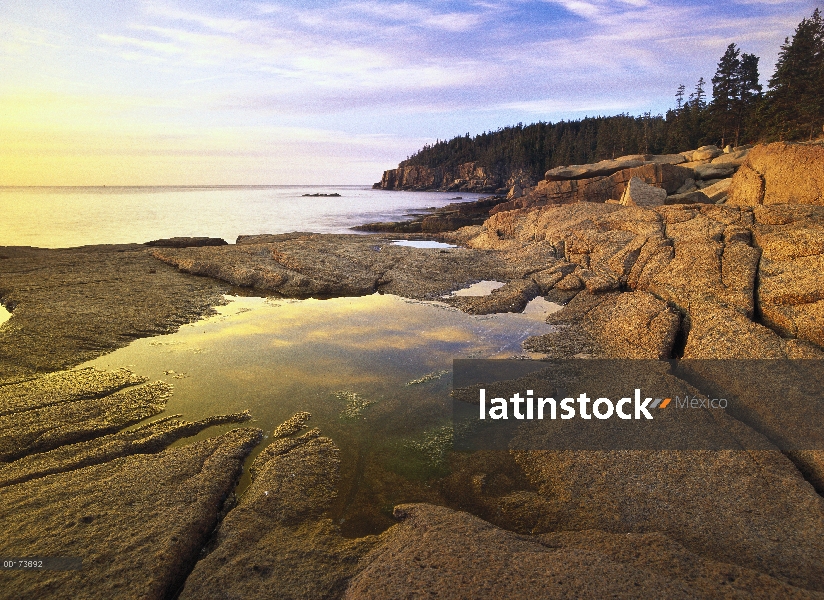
<point x="149" y="93"/>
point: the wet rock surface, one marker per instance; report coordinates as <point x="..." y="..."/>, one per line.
<point x="512" y="297"/>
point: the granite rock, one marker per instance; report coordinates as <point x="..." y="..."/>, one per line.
<point x="276" y="543"/>
<point x="780" y="173"/>
<point x="138" y="523"/>
<point x="451" y="554"/>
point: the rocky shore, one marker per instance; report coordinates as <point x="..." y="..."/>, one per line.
<point x="705" y="254"/>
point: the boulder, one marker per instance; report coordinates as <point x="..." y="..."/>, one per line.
<point x="694" y="197"/>
<point x="718" y="190"/>
<point x="734" y="157"/>
<point x="599" y="169"/>
<point x="667" y="159"/>
<point x="714" y="171"/>
<point x="780" y="173"/>
<point x="598" y="188"/>
<point x="638" y="193"/>
<point x="516" y="192"/>
<point x="665" y="176"/>
<point x="694" y="163"/>
<point x="706" y="153"/>
<point x="688" y="186"/>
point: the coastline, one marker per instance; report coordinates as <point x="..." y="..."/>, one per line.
<point x="691" y="280"/>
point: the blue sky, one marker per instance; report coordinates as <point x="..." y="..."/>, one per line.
<point x="165" y="92"/>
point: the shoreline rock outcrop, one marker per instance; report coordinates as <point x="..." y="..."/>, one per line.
<point x="466" y="177"/>
<point x="739" y="277"/>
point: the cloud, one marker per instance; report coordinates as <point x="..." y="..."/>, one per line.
<point x="353" y="80"/>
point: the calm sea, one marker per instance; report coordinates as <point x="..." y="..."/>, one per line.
<point x="62" y="217"/>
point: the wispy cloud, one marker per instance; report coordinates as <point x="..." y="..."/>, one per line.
<point x="379" y="77"/>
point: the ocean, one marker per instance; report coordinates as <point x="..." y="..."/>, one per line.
<point x="64" y="217"/>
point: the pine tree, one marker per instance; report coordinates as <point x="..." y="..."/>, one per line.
<point x="749" y="95"/>
<point x="679" y="98"/>
<point x="793" y="108"/>
<point x="726" y="93"/>
<point x="699" y="96"/>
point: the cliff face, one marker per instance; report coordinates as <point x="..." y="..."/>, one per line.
<point x="467" y="177"/>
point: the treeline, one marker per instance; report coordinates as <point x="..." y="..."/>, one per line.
<point x="739" y="112"/>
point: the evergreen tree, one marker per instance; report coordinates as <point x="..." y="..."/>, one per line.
<point x="699" y="96"/>
<point x="694" y="116"/>
<point x="793" y="108"/>
<point x="726" y="94"/>
<point x="749" y="95"/>
<point x="679" y="98"/>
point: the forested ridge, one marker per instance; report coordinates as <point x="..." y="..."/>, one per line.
<point x="739" y="112"/>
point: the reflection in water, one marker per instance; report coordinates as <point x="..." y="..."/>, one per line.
<point x="5" y="315"/>
<point x="537" y="306"/>
<point x="373" y="371"/>
<point x="422" y="244"/>
<point x="482" y="288"/>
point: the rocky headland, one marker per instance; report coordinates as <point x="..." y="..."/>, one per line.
<point x="705" y="254"/>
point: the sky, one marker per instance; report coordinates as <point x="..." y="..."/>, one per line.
<point x="94" y="92"/>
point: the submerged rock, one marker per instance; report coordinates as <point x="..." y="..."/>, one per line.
<point x="512" y="297"/>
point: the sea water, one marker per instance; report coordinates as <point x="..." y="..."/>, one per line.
<point x="62" y="217"/>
